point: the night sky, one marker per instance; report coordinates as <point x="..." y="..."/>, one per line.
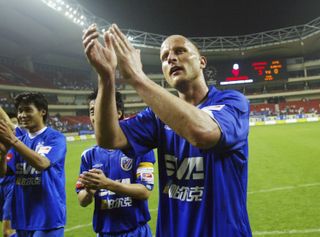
<point x="204" y="17"/>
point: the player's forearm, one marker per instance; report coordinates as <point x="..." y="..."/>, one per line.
<point x="107" y="129"/>
<point x="202" y="131"/>
<point x="34" y="159"/>
<point x="136" y="191"/>
<point x="85" y="198"/>
<point x="3" y="164"/>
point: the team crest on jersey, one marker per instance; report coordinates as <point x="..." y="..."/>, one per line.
<point x="126" y="163"/>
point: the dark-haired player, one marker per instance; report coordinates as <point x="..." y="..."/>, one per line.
<point x="37" y="160"/>
<point x="119" y="185"/>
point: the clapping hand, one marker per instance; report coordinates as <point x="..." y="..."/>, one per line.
<point x="101" y="57"/>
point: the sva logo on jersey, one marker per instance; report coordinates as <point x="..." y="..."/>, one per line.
<point x="27" y="175"/>
<point x="126" y="163"/>
<point x="24" y="168"/>
<point x="190" y="168"/>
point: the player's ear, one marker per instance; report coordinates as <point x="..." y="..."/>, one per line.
<point x="203" y="62"/>
<point x="43" y="112"/>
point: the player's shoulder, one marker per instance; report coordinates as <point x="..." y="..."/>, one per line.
<point x="89" y="151"/>
<point x="231" y="94"/>
<point x="147" y="157"/>
<point x="143" y="114"/>
<point x="20" y="131"/>
<point x="233" y="98"/>
<point x="54" y="133"/>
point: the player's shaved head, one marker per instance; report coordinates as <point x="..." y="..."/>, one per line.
<point x="179" y="38"/>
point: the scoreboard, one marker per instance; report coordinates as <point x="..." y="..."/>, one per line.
<point x="250" y="71"/>
<point x="268" y="70"/>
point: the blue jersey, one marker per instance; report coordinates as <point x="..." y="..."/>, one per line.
<point x="9" y="178"/>
<point x="39" y="199"/>
<point x="114" y="213"/>
<point x="202" y="191"/>
<point x="19" y="131"/>
<point x="7" y="185"/>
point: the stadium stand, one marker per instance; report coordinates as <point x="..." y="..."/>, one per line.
<point x="66" y="86"/>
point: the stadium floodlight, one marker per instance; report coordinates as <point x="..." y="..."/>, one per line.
<point x="77" y="14"/>
<point x="72" y="10"/>
<point x="238" y="43"/>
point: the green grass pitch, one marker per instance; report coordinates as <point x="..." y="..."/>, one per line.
<point x="283" y="188"/>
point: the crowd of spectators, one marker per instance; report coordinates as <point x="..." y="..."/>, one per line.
<point x="74" y="125"/>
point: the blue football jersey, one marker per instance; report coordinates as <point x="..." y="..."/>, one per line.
<point x="202" y="191"/>
<point x="39" y="199"/>
<point x="9" y="178"/>
<point x="114" y="213"/>
<point x="19" y="131"/>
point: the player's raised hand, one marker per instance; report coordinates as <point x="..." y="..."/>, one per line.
<point x="129" y="59"/>
<point x="101" y="57"/>
<point x="6" y="134"/>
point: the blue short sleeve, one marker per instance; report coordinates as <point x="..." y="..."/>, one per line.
<point x="141" y="132"/>
<point x="232" y="115"/>
<point x="84" y="166"/>
<point x="54" y="148"/>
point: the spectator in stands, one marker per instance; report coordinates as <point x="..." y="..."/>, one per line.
<point x="37" y="159"/>
<point x="201" y="136"/>
<point x="119" y="185"/>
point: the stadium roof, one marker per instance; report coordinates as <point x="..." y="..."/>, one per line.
<point x="31" y="29"/>
<point x="205" y="18"/>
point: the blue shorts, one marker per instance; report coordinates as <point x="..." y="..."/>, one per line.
<point x="141" y="231"/>
<point x="6" y="191"/>
<point x="41" y="233"/>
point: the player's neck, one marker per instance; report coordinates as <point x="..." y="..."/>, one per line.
<point x="195" y="93"/>
<point x="36" y="129"/>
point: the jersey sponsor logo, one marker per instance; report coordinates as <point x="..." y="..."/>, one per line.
<point x="126" y="163"/>
<point x="190" y="167"/>
<point x="105" y="192"/>
<point x="213" y="107"/>
<point x="185" y="193"/>
<point x="25" y="169"/>
<point x="28" y="181"/>
<point x="110" y="201"/>
<point x="116" y="203"/>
